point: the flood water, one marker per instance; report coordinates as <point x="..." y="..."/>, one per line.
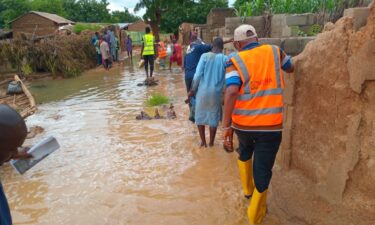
<point x="113" y="169"/>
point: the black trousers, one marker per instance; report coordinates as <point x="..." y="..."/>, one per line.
<point x="149" y="59"/>
<point x="188" y="83"/>
<point x="264" y="147"/>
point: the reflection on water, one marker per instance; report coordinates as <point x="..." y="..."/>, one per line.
<point x="112" y="169"/>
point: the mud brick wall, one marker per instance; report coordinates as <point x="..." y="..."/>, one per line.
<point x="232" y="23"/>
<point x="31" y="23"/>
<point x="280" y="24"/>
<point x="216" y="17"/>
<point x="330" y="113"/>
<point x="138" y="26"/>
<point x="292" y="46"/>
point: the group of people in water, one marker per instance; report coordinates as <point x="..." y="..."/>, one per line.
<point x="204" y="68"/>
<point x="253" y="106"/>
<point x="160" y="50"/>
<point x="253" y="102"/>
<point x="106" y="47"/>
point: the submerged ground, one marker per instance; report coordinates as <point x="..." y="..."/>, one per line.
<point x="113" y="169"/>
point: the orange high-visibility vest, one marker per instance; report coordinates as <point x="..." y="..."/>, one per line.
<point x="162" y="51"/>
<point x="260" y="102"/>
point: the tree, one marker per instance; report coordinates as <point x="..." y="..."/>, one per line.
<point x="91" y="11"/>
<point x="50" y="6"/>
<point x="11" y="9"/>
<point x="238" y="3"/>
<point x="196" y="14"/>
<point x="258" y="7"/>
<point x="170" y="14"/>
<point x="76" y="10"/>
<point x="154" y="11"/>
<point x="123" y="16"/>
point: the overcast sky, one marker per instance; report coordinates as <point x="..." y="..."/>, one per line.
<point x="120" y="4"/>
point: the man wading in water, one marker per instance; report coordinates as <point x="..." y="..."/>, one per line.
<point x="148" y="51"/>
<point x="254" y="109"/>
<point x="207" y="86"/>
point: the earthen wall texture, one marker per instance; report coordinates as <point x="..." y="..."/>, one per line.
<point x="331" y="135"/>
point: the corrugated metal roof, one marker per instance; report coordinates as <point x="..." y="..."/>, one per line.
<point x="53" y="17"/>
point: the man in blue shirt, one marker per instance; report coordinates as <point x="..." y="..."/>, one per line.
<point x="13" y="132"/>
<point x="193" y="54"/>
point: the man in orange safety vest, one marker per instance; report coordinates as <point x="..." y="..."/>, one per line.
<point x="254" y="110"/>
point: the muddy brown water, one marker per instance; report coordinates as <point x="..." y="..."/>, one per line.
<point x="113" y="169"/>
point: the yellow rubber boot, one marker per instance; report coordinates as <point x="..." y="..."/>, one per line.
<point x="258" y="207"/>
<point x="246" y="175"/>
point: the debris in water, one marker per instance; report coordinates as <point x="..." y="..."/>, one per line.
<point x="56" y="117"/>
<point x="157" y="114"/>
<point x="143" y="116"/>
<point x="171" y="114"/>
<point x="34" y="131"/>
<point x="149" y="82"/>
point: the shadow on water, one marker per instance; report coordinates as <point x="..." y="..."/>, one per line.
<point x="112" y="169"/>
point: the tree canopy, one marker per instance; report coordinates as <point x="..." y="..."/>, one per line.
<point x="258" y="7"/>
<point x="190" y="12"/>
<point x="75" y="10"/>
<point x="167" y="15"/>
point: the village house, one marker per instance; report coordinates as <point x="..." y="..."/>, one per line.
<point x="38" y="23"/>
<point x="138" y="26"/>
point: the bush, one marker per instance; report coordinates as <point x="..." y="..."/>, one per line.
<point x="64" y="55"/>
<point x="26" y="69"/>
<point x="297" y="31"/>
<point x="314" y="30"/>
<point x="79" y="27"/>
<point x="157" y="99"/>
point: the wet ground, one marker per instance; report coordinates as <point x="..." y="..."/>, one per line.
<point x="113" y="169"/>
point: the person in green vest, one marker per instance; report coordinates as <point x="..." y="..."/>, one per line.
<point x="148" y="51"/>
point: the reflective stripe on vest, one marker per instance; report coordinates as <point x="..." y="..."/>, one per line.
<point x="265" y="111"/>
<point x="277" y="65"/>
<point x="148" y="41"/>
<point x="277" y="91"/>
<point x="260" y="102"/>
<point x="245" y="73"/>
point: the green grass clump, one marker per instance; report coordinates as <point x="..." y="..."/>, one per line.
<point x="314" y="30"/>
<point x="79" y="27"/>
<point x="157" y="99"/>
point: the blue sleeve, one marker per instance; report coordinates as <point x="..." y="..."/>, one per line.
<point x="198" y="73"/>
<point x="287" y="63"/>
<point x="225" y="59"/>
<point x="205" y="48"/>
<point x="233" y="81"/>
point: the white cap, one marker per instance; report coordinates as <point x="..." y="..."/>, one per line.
<point x="243" y="32"/>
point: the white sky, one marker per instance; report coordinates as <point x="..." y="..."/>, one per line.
<point x="120" y="4"/>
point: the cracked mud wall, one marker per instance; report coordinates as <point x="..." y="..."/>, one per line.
<point x="330" y="124"/>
